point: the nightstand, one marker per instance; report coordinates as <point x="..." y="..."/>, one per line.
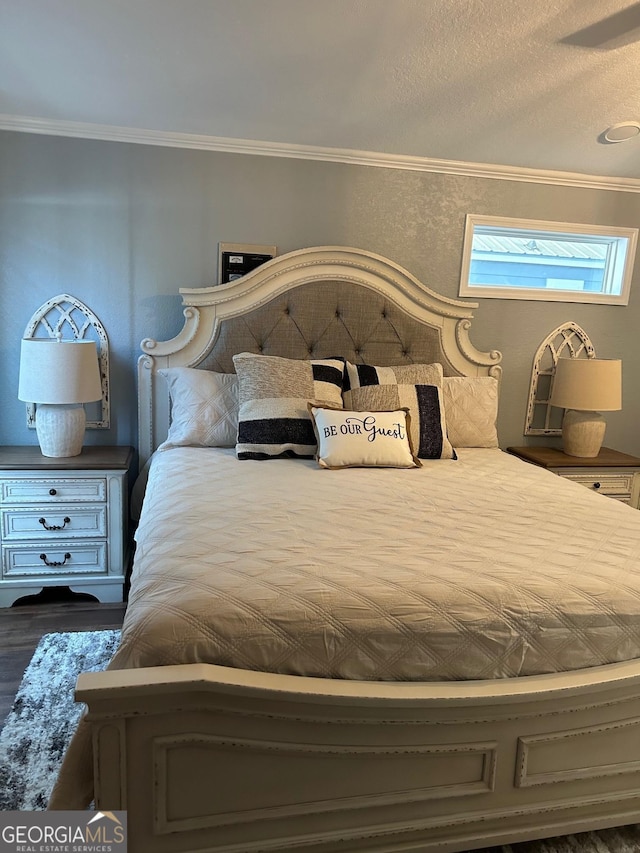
<point x="64" y="521"/>
<point x="610" y="473"/>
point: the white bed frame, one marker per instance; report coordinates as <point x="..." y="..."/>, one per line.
<point x="209" y="758"/>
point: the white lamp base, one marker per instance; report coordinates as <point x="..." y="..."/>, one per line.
<point x="60" y="429"/>
<point x="582" y="433"/>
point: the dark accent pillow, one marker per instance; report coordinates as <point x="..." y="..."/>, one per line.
<point x="428" y="430"/>
<point x="363" y="375"/>
<point x="274" y="394"/>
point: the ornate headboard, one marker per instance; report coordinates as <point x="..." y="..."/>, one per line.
<point x="311" y="303"/>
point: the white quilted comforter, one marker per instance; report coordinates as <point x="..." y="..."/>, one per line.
<point x="483" y="567"/>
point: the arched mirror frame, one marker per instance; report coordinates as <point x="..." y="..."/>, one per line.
<point x="567" y="341"/>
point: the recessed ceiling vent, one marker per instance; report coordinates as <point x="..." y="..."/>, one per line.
<point x="621" y="132"/>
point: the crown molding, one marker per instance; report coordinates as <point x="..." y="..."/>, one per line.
<point x="141" y="136"/>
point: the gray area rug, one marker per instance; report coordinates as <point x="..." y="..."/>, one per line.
<point x="44" y="716"/>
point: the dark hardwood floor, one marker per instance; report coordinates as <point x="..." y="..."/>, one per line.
<point x="21" y="627"/>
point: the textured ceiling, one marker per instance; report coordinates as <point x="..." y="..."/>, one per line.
<point x="525" y="83"/>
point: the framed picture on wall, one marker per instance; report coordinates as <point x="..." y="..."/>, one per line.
<point x="237" y="259"/>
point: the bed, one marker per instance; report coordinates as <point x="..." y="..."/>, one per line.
<point x="431" y="654"/>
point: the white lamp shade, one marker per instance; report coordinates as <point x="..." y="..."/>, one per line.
<point x="588" y="384"/>
<point x="61" y="372"/>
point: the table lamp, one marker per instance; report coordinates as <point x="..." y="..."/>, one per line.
<point x="584" y="387"/>
<point x="59" y="376"/>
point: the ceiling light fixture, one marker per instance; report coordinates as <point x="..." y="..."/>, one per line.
<point x="621" y="132"/>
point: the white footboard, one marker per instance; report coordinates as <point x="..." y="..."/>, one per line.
<point x="207" y="758"/>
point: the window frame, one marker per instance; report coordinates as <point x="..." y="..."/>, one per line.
<point x="541" y="229"/>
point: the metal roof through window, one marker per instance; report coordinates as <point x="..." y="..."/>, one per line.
<point x="547" y="248"/>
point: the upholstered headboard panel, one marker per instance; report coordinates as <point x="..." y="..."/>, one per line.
<point x="325" y="319"/>
<point x="319" y="302"/>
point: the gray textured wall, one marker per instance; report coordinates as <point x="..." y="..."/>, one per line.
<point x="122" y="227"/>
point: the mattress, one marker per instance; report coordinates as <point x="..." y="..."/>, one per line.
<point x="484" y="567"/>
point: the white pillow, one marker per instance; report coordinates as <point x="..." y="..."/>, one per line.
<point x="471" y="410"/>
<point x="204" y="408"/>
<point x="348" y="439"/>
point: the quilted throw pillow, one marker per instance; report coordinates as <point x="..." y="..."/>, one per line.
<point x="471" y="410"/>
<point x="428" y="430"/>
<point x="362" y="375"/>
<point x="349" y="439"/>
<point x="274" y="393"/>
<point x="204" y="408"/>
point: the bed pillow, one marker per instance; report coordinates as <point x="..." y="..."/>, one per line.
<point x="428" y="426"/>
<point x="471" y="410"/>
<point x="204" y="408"/>
<point x="348" y="439"/>
<point x="364" y="375"/>
<point x="274" y="393"/>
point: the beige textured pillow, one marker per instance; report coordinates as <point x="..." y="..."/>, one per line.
<point x="204" y="408"/>
<point x="274" y="419"/>
<point x="364" y="375"/>
<point x="471" y="410"/>
<point x="428" y="431"/>
<point x="363" y="439"/>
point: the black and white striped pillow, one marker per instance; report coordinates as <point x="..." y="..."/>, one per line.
<point x="274" y="394"/>
<point x="363" y="375"/>
<point x="427" y="430"/>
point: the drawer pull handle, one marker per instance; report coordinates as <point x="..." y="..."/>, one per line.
<point x="43" y="557"/>
<point x="596" y="485"/>
<point x="43" y="521"/>
<point x="52" y="492"/>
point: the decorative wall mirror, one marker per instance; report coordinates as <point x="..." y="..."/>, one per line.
<point x="67" y="318"/>
<point x="567" y="341"/>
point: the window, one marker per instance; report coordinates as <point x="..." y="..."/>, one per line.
<point x="555" y="261"/>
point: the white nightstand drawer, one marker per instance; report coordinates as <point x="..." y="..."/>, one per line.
<point x="51" y="523"/>
<point x="64" y="522"/>
<point x="53" y="490"/>
<point x="64" y="559"/>
<point x="615" y="485"/>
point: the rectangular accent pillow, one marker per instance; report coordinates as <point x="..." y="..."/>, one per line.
<point x="428" y="426"/>
<point x="349" y="439"/>
<point x="471" y="410"/>
<point x="274" y="419"/>
<point x="204" y="408"/>
<point x="362" y="375"/>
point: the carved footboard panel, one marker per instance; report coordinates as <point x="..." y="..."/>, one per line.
<point x="207" y="758"/>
